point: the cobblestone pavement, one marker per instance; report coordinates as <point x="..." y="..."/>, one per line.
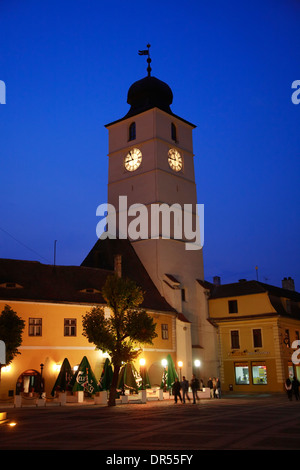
<point x="230" y="423"/>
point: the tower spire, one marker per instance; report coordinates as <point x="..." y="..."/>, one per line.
<point x="147" y="52"/>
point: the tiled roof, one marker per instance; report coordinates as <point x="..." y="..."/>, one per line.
<point x="103" y="255"/>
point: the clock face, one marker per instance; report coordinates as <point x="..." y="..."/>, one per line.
<point x="133" y="159"/>
<point x="175" y="160"/>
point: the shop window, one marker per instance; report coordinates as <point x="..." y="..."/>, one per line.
<point x="164" y="331"/>
<point x="70" y="327"/>
<point x="235" y="339"/>
<point x="241" y="372"/>
<point x="35" y="327"/>
<point x="259" y="373"/>
<point x="232" y="306"/>
<point x="257" y="338"/>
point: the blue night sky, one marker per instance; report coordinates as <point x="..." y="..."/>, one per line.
<point x="68" y="65"/>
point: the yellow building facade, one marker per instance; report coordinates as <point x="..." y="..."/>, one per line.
<point x="258" y="327"/>
<point x="52" y="301"/>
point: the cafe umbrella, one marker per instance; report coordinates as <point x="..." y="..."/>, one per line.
<point x="106" y="376"/>
<point x="128" y="378"/>
<point x="169" y="374"/>
<point x="84" y="378"/>
<point x="62" y="383"/>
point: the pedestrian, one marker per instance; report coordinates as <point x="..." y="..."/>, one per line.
<point x="176" y="390"/>
<point x="289" y="390"/>
<point x="218" y="388"/>
<point x="185" y="389"/>
<point x="295" y="387"/>
<point x="194" y="387"/>
<point x="211" y="387"/>
<point x="214" y="387"/>
<point x="201" y="385"/>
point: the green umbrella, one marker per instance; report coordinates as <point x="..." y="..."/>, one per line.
<point x="128" y="378"/>
<point x="169" y="374"/>
<point x="84" y="378"/>
<point x="64" y="377"/>
<point x="145" y="383"/>
<point x="106" y="376"/>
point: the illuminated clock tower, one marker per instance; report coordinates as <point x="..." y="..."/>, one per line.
<point x="151" y="162"/>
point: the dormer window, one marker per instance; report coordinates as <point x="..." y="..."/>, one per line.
<point x="90" y="290"/>
<point x="11" y="285"/>
<point x="132" y="131"/>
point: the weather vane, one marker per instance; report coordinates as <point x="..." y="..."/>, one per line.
<point x="147" y="52"/>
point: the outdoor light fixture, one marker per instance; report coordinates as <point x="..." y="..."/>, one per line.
<point x="164" y="362"/>
<point x="6" y="368"/>
<point x="197" y="363"/>
<point x="56" y="367"/>
<point x="180" y="364"/>
<point x="142" y="362"/>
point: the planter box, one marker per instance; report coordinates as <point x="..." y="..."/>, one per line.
<point x="101" y="398"/>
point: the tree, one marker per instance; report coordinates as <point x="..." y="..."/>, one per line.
<point x="11" y="329"/>
<point x="121" y="332"/>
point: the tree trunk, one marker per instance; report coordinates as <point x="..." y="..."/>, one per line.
<point x="113" y="387"/>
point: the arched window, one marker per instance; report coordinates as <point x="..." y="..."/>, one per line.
<point x="132" y="133"/>
<point x="173" y="132"/>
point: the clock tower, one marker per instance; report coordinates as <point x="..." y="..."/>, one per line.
<point x="151" y="163"/>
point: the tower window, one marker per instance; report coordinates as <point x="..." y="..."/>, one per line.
<point x="173" y="132"/>
<point x="132" y="131"/>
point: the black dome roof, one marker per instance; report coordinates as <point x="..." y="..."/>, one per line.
<point x="147" y="93"/>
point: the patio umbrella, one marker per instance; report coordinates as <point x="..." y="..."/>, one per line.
<point x="145" y="382"/>
<point x="84" y="378"/>
<point x="64" y="377"/>
<point x="127" y="378"/>
<point x="106" y="376"/>
<point x="169" y="374"/>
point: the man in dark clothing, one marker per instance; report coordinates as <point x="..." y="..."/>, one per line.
<point x="295" y="387"/>
<point x="176" y="390"/>
<point x="185" y="389"/>
<point x="194" y="387"/>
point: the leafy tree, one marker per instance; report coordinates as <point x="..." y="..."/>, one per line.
<point x="127" y="327"/>
<point x="11" y="329"/>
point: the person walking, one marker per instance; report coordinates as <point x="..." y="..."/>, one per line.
<point x="211" y="387"/>
<point x="194" y="387"/>
<point x="185" y="389"/>
<point x="289" y="390"/>
<point x="176" y="390"/>
<point x="295" y="387"/>
<point x="218" y="388"/>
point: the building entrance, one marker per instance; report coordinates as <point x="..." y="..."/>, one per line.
<point x="29" y="382"/>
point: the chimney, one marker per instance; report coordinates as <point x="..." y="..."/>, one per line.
<point x="118" y="265"/>
<point x="288" y="283"/>
<point x="217" y="280"/>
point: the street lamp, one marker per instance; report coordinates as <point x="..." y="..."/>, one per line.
<point x="164" y="363"/>
<point x="180" y="364"/>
